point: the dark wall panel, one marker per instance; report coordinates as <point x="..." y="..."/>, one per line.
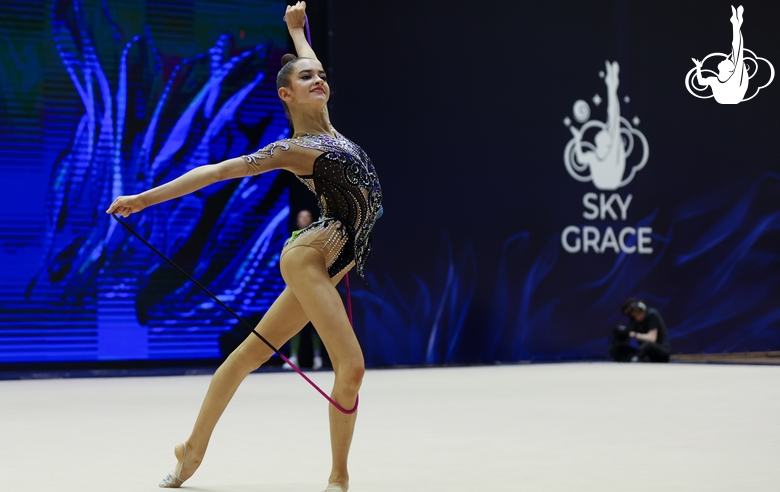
<point x="470" y="110"/>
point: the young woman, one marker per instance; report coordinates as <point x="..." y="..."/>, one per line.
<point x="312" y="262"/>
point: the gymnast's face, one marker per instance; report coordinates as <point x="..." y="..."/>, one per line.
<point x="308" y="85"/>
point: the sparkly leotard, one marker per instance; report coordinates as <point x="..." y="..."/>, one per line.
<point x="349" y="195"/>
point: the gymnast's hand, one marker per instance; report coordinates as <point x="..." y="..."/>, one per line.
<point x="126" y="205"/>
<point x="295" y="16"/>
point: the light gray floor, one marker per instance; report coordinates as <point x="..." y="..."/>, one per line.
<point x="552" y="427"/>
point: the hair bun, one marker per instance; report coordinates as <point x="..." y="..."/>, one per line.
<point x="288" y="58"/>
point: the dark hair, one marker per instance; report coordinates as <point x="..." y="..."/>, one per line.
<point x="632" y="303"/>
<point x="283" y="77"/>
<point x="283" y="80"/>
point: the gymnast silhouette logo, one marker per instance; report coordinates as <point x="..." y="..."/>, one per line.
<point x="730" y="84"/>
<point x="616" y="144"/>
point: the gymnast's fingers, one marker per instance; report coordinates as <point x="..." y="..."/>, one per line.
<point x="125" y="205"/>
<point x="112" y="208"/>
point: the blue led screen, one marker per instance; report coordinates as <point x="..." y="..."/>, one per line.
<point x="102" y="98"/>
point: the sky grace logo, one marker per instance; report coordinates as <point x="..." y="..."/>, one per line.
<point x="611" y="160"/>
<point x="733" y="82"/>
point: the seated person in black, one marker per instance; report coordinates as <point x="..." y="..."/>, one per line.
<point x="648" y="328"/>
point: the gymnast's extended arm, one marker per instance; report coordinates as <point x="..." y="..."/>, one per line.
<point x="278" y="155"/>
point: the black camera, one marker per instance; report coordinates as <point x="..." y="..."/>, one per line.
<point x="620" y="334"/>
<point x="620" y="344"/>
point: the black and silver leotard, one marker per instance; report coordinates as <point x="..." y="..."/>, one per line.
<point x="350" y="198"/>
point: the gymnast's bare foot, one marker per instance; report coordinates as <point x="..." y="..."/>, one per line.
<point x="188" y="460"/>
<point x="338" y="486"/>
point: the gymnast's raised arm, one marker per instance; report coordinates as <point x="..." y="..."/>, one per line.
<point x="699" y="78"/>
<point x="295" y="24"/>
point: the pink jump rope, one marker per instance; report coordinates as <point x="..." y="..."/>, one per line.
<point x="242" y="320"/>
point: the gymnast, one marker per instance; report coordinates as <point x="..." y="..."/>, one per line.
<point x="312" y="262"/>
<point x="731" y="84"/>
<point x="608" y="163"/>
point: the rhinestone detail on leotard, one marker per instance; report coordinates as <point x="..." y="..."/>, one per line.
<point x="348" y="192"/>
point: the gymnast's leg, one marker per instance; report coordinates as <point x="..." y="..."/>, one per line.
<point x="737" y="42"/>
<point x="284" y="319"/>
<point x="303" y="268"/>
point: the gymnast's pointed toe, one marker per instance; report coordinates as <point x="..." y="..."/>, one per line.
<point x="171" y="481"/>
<point x="174" y="479"/>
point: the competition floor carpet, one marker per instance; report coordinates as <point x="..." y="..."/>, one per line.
<point x="546" y="427"/>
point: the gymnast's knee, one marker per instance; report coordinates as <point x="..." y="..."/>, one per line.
<point x="247" y="360"/>
<point x="349" y="376"/>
